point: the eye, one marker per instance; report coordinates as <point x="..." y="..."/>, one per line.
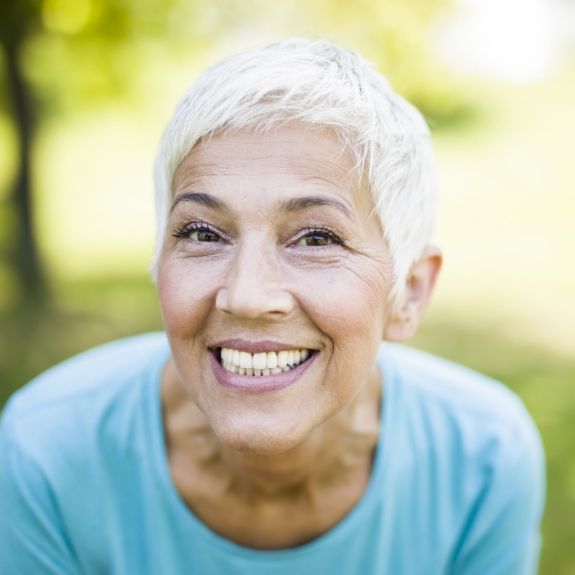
<point x="203" y="235"/>
<point x="317" y="237"/>
<point x="198" y="232"/>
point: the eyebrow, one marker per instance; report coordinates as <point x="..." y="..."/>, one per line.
<point x="200" y="198"/>
<point x="305" y="202"/>
<point x="291" y="205"/>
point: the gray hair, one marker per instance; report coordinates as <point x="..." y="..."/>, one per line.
<point x="322" y="85"/>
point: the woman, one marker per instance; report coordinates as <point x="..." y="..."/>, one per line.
<point x="270" y="432"/>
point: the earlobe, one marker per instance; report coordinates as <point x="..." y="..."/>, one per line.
<point x="405" y="318"/>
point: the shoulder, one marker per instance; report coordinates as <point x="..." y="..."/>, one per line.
<point x="68" y="402"/>
<point x="62" y="438"/>
<point x="462" y="425"/>
<point x="451" y="398"/>
<point x="468" y="444"/>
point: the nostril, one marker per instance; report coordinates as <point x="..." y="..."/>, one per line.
<point x="222" y="299"/>
<point x="254" y="301"/>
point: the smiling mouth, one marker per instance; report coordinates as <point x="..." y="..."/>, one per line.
<point x="261" y="364"/>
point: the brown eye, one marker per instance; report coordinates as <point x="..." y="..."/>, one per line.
<point x="318" y="238"/>
<point x="198" y="232"/>
<point x="204" y="235"/>
<point x="314" y="240"/>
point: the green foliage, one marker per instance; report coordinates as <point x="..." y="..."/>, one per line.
<point x="76" y="53"/>
<point x="79" y="52"/>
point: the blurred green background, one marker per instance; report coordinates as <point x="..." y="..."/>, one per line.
<point x="86" y="87"/>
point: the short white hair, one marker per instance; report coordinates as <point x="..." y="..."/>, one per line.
<point x="324" y="86"/>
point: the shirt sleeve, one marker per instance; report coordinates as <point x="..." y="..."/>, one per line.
<point x="32" y="535"/>
<point x="502" y="535"/>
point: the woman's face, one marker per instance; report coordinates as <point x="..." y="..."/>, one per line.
<point x="273" y="283"/>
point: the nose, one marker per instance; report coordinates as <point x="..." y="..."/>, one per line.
<point x="253" y="286"/>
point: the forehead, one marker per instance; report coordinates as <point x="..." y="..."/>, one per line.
<point x="307" y="147"/>
<point x="291" y="158"/>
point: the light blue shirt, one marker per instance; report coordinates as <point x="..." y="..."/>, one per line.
<point x="456" y="487"/>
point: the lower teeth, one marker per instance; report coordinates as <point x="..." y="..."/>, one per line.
<point x="256" y="372"/>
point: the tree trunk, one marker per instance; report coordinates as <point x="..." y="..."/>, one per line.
<point x="25" y="251"/>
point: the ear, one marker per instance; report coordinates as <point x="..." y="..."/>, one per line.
<point x="405" y="317"/>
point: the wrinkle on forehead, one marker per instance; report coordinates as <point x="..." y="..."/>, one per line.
<point x="236" y="150"/>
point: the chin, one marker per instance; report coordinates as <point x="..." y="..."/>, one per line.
<point x="260" y="437"/>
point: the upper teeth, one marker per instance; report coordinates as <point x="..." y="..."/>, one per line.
<point x="265" y="362"/>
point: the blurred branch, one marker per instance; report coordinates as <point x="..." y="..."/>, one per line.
<point x="17" y="21"/>
<point x="26" y="255"/>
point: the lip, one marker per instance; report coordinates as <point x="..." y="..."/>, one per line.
<point x="263" y="383"/>
<point x="256" y="346"/>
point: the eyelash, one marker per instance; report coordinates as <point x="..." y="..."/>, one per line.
<point x="184" y="231"/>
<point x="324" y="232"/>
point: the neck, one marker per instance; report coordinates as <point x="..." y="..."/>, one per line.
<point x="339" y="448"/>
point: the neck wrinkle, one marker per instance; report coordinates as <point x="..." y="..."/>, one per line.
<point x="338" y="449"/>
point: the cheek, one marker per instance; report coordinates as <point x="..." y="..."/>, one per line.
<point x="350" y="301"/>
<point x="186" y="297"/>
<point x="355" y="323"/>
